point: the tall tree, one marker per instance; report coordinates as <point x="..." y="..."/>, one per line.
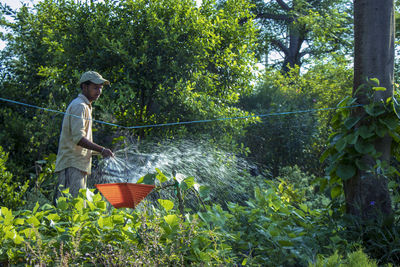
<point x="167" y="61"/>
<point x="298" y="30"/>
<point x="374" y="34"/>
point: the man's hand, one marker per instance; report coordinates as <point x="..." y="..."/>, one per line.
<point x="106" y="153"/>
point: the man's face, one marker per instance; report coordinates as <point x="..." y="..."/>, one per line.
<point x="92" y="91"/>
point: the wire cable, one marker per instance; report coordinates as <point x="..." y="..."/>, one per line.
<point x="182" y="122"/>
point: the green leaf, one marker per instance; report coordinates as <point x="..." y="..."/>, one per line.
<point x="172" y="219"/>
<point x="345" y="171"/>
<point x="350" y="122"/>
<point x="352" y="138"/>
<point x="59" y="229"/>
<point x="54" y="217"/>
<point x="18" y="239"/>
<point x="374" y="81"/>
<point x="28" y="232"/>
<point x="381" y="131"/>
<point x="8" y="217"/>
<point x="374" y="109"/>
<point x="285" y="243"/>
<point x="118" y="139"/>
<point x="395" y="136"/>
<point x="62" y="203"/>
<point x="337" y="156"/>
<point x="390" y="122"/>
<point x="102" y="205"/>
<point x="147" y="179"/>
<point x="108" y="222"/>
<point x="365" y="132"/>
<point x="3" y="211"/>
<point x="117" y="219"/>
<point x="364" y="147"/>
<point x="204" y="192"/>
<point x="160" y="176"/>
<point x="35" y="208"/>
<point x="325" y="155"/>
<point x="100" y="222"/>
<point x="79" y="204"/>
<point x="19" y="221"/>
<point x="97" y="197"/>
<point x="33" y="221"/>
<point x="167" y="204"/>
<point x="340" y="144"/>
<point x="336" y="191"/>
<point x="188" y="183"/>
<point x="377" y="88"/>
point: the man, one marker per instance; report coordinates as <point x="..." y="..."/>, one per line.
<point x="74" y="157"/>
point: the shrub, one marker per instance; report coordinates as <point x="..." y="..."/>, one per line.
<point x="274" y="231"/>
<point x="298" y="187"/>
<point x="354" y="259"/>
<point x="82" y="230"/>
<point x="380" y="237"/>
<point x="11" y="191"/>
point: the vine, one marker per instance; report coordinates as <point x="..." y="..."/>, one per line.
<point x="356" y="134"/>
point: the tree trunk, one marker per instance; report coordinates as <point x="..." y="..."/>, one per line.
<point x="292" y="53"/>
<point x="367" y="194"/>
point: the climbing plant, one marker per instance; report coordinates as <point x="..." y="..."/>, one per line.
<point x="352" y="146"/>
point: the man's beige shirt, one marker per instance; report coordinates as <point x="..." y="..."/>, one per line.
<point x="74" y="127"/>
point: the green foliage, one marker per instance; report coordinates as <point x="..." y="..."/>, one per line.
<point x="300" y="187"/>
<point x="303" y="31"/>
<point x="11" y="191"/>
<point x="45" y="181"/>
<point x="173" y="61"/>
<point x="354" y="259"/>
<point x="276" y="229"/>
<point x="287" y="140"/>
<point x="282" y="225"/>
<point x="82" y="230"/>
<point x="349" y="144"/>
<point x="353" y="142"/>
<point x="380" y="237"/>
<point x="167" y="61"/>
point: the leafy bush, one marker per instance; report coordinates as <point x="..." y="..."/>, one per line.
<point x="167" y="61"/>
<point x="273" y="230"/>
<point x="291" y="139"/>
<point x="276" y="227"/>
<point x="298" y="187"/>
<point x="354" y="259"/>
<point x="379" y="237"/>
<point x="11" y="191"/>
<point x="82" y="230"/>
<point x="43" y="188"/>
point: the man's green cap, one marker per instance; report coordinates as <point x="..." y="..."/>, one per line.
<point x="94" y="77"/>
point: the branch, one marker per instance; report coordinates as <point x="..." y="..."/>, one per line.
<point x="283" y="5"/>
<point x="280" y="45"/>
<point x="158" y="188"/>
<point x="275" y="17"/>
<point x="318" y="52"/>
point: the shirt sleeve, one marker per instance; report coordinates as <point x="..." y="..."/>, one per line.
<point x="77" y="122"/>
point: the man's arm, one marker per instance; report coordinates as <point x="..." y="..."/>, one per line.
<point x="86" y="143"/>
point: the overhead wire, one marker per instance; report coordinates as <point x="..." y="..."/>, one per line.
<point x="180" y="122"/>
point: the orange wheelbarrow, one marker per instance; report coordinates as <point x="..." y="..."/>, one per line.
<point x="124" y="195"/>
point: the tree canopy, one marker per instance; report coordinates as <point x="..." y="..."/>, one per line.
<point x="301" y="31"/>
<point x="167" y="61"/>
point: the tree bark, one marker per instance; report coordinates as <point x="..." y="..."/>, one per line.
<point x="367" y="194"/>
